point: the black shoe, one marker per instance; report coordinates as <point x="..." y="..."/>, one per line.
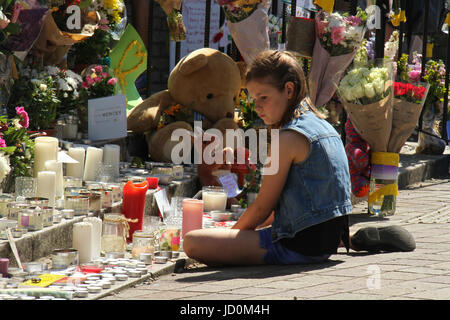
<point x="388" y="239"/>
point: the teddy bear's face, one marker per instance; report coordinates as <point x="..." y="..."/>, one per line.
<point x="207" y="81"/>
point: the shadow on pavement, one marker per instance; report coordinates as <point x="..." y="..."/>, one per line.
<point x="205" y="273"/>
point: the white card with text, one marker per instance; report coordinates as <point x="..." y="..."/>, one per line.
<point x="107" y="118"/>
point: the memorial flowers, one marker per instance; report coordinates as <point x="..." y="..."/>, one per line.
<point x="16" y="145"/>
<point x="337" y="39"/>
<point x="68" y="84"/>
<point x="111" y="12"/>
<point x="98" y="83"/>
<point x="175" y="113"/>
<point x="238" y="10"/>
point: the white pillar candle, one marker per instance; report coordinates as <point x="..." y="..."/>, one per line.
<point x="96" y="235"/>
<point x="57" y="167"/>
<point x="82" y="241"/>
<point x="94" y="158"/>
<point x="46" y="186"/>
<point x="45" y="148"/>
<point x="76" y="169"/>
<point x="111" y="155"/>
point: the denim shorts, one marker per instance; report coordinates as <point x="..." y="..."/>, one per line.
<point x="278" y="254"/>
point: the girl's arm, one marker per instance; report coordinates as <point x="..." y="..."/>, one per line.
<point x="293" y="147"/>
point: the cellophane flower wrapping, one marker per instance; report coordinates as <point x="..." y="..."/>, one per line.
<point x="248" y="22"/>
<point x="367" y="95"/>
<point x="338" y="38"/>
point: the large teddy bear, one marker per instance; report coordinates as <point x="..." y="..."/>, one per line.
<point x="202" y="86"/>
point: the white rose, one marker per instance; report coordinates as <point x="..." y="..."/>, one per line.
<point x="378" y="86"/>
<point x="359" y="91"/>
<point x="62" y="85"/>
<point x="43" y="86"/>
<point x="369" y="90"/>
<point x="4" y="166"/>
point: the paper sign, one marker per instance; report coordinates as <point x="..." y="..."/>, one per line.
<point x="45" y="280"/>
<point x="107" y="118"/>
<point x="128" y="61"/>
<point x="162" y="201"/>
<point x="230" y="185"/>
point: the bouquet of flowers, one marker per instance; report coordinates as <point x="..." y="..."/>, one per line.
<point x="366" y="93"/>
<point x="68" y="84"/>
<point x="172" y="8"/>
<point x="16" y="146"/>
<point x="337" y="39"/>
<point x="37" y="92"/>
<point x="248" y="23"/>
<point x="111" y="12"/>
<point x="175" y="113"/>
<point x="97" y="83"/>
<point x="238" y="10"/>
<point x="9" y="14"/>
<point x="247" y="109"/>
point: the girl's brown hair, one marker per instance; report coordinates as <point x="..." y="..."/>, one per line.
<point x="277" y="68"/>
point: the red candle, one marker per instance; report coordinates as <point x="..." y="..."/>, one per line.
<point x="133" y="205"/>
<point x="192" y="215"/>
<point x="153" y="182"/>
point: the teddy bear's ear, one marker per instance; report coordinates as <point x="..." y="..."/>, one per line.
<point x="243" y="71"/>
<point x="193" y="63"/>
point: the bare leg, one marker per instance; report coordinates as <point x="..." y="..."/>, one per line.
<point x="218" y="247"/>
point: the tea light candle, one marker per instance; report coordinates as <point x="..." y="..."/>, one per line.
<point x="94" y="157"/>
<point x="76" y="170"/>
<point x="45" y="148"/>
<point x="96" y="235"/>
<point x="192" y="215"/>
<point x="57" y="167"/>
<point x="82" y="241"/>
<point x="46" y="186"/>
<point x="111" y="155"/>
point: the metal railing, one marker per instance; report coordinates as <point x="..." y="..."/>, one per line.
<point x="379" y="45"/>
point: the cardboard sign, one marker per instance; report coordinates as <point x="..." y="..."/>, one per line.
<point x="107" y="118"/>
<point x="230" y="185"/>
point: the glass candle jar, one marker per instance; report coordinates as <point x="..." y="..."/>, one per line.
<point x="37" y="202"/>
<point x="25" y="187"/>
<point x="5" y="199"/>
<point x="114" y="233"/>
<point x="143" y="242"/>
<point x="72" y="182"/>
<point x="116" y="191"/>
<point x="95" y="200"/>
<point x="79" y="204"/>
<point x="14" y="208"/>
<point x="177" y="172"/>
<point x="169" y="239"/>
<point x="106" y="196"/>
<point x="74" y="191"/>
<point x="47" y="216"/>
<point x="214" y="198"/>
<point x="30" y="219"/>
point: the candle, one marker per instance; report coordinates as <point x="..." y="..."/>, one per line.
<point x="133" y="205"/>
<point x="4" y="263"/>
<point x="96" y="235"/>
<point x="192" y="215"/>
<point x="45" y="148"/>
<point x="82" y="241"/>
<point x="111" y="155"/>
<point x="94" y="157"/>
<point x="76" y="169"/>
<point x="214" y="199"/>
<point x="46" y="186"/>
<point x="57" y="167"/>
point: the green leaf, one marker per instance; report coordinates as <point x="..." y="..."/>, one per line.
<point x="8" y="149"/>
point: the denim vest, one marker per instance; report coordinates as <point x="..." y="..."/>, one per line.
<point x="317" y="189"/>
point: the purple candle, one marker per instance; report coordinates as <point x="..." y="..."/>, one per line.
<point x="4" y="263"/>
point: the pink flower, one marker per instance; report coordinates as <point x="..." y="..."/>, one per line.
<point x="337" y="34"/>
<point x="321" y="26"/>
<point x="112" y="81"/>
<point x="104" y="75"/>
<point x="98" y="69"/>
<point x="2" y="143"/>
<point x="89" y="81"/>
<point x="25" y="120"/>
<point x="353" y="20"/>
<point x="414" y="75"/>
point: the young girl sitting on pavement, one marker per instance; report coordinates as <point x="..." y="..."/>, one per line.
<point x="300" y="215"/>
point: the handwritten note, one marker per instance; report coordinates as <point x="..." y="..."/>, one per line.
<point x="230" y="185"/>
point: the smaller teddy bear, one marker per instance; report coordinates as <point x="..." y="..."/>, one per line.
<point x="358" y="155"/>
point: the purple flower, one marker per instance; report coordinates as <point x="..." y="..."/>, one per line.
<point x="25" y="120"/>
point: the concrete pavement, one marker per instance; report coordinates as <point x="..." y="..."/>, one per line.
<point x="422" y="208"/>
